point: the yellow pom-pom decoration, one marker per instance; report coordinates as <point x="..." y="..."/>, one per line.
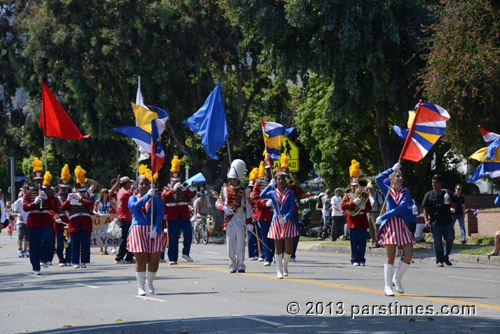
<point x="142" y="169"/>
<point x="284" y="161"/>
<point x="253" y="174"/>
<point x="264" y="154"/>
<point x="176" y="165"/>
<point x="147" y="174"/>
<point x="47" y="178"/>
<point x="37" y="165"/>
<point x="354" y="169"/>
<point x="155" y="177"/>
<point x="65" y="175"/>
<point x="261" y="170"/>
<point x="80" y="174"/>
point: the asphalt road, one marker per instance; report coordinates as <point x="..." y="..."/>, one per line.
<point x="324" y="292"/>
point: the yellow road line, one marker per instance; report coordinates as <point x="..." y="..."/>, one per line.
<point x="351" y="287"/>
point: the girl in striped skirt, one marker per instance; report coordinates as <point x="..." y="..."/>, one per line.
<point x="282" y="226"/>
<point x="146" y="238"/>
<point x="394" y="230"/>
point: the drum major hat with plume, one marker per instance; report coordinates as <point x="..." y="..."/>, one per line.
<point x="37" y="169"/>
<point x="65" y="176"/>
<point x="175" y="169"/>
<point x="237" y="169"/>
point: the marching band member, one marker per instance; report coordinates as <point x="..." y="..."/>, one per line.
<point x="176" y="199"/>
<point x="234" y="202"/>
<point x="282" y="225"/>
<point x="263" y="212"/>
<point x="394" y="228"/>
<point x="62" y="227"/>
<point x="144" y="241"/>
<point x="41" y="204"/>
<point x="356" y="208"/>
<point x="79" y="206"/>
<point x="254" y="248"/>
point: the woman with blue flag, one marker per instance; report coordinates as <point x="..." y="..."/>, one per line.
<point x="394" y="230"/>
<point x="146" y="238"/>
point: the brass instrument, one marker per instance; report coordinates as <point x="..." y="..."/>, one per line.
<point x="360" y="192"/>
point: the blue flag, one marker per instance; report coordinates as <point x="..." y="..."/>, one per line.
<point x="210" y="123"/>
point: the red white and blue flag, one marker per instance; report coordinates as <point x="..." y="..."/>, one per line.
<point x="273" y="135"/>
<point x="427" y="127"/>
<point x="492" y="141"/>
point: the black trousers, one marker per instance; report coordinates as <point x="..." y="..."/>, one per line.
<point x="122" y="251"/>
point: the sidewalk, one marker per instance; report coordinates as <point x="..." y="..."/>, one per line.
<point x="424" y="254"/>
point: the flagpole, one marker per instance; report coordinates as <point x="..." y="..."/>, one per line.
<point x="44" y="127"/>
<point x="137" y="147"/>
<point x="270" y="161"/>
<point x="407" y="141"/>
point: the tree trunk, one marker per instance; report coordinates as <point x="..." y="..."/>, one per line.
<point x="387" y="148"/>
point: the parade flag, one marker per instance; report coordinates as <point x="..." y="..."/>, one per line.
<point x="273" y="136"/>
<point x="481" y="155"/>
<point x="54" y="120"/>
<point x="492" y="141"/>
<point x="474" y="212"/>
<point x="157" y="153"/>
<point x="210" y="123"/>
<point x="486" y="168"/>
<point x="429" y="122"/>
<point x="144" y="115"/>
<point x="138" y="135"/>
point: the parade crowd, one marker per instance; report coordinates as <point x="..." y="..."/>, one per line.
<point x="265" y="213"/>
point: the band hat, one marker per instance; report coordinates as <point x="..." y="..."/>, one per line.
<point x="38" y="176"/>
<point x="237" y="169"/>
<point x="353" y="181"/>
<point x="125" y="179"/>
<point x="62" y="183"/>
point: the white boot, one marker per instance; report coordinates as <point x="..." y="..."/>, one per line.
<point x="286" y="258"/>
<point x="141" y="280"/>
<point x="279" y="265"/>
<point x="150" y="276"/>
<point x="388" y="277"/>
<point x="396" y="280"/>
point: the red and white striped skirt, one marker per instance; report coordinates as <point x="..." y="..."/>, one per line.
<point x="138" y="240"/>
<point x="282" y="231"/>
<point x="395" y="232"/>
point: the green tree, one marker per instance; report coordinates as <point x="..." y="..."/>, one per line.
<point x="366" y="51"/>
<point x="90" y="54"/>
<point x="462" y="72"/>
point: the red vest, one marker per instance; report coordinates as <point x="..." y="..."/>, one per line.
<point x="262" y="212"/>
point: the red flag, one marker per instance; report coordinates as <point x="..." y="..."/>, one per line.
<point x="54" y="120"/>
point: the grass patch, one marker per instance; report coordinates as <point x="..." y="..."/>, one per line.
<point x="302" y="238"/>
<point x="478" y="251"/>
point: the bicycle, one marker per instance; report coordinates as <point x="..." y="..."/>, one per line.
<point x="201" y="228"/>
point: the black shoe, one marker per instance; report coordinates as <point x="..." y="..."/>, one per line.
<point x="232" y="271"/>
<point x="447" y="262"/>
<point x="241" y="270"/>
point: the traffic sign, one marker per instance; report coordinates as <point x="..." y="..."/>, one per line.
<point x="292" y="152"/>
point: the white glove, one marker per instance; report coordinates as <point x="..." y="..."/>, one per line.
<point x="59" y="221"/>
<point x="43" y="195"/>
<point x="269" y="203"/>
<point x="396" y="166"/>
<point x="177" y="186"/>
<point x="282" y="220"/>
<point x="446" y="198"/>
<point x="378" y="221"/>
<point x="151" y="192"/>
<point x="228" y="210"/>
<point x="38" y="200"/>
<point x="362" y="206"/>
<point x="250" y="227"/>
<point x="356" y="201"/>
<point x="273" y="183"/>
<point x="77" y="196"/>
<point x="153" y="234"/>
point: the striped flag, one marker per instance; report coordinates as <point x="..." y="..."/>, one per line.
<point x="273" y="135"/>
<point x="429" y="122"/>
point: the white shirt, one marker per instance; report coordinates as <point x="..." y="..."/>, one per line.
<point x="337" y="201"/>
<point x="18" y="207"/>
<point x="2" y="211"/>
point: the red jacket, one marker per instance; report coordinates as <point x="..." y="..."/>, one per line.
<point x="39" y="218"/>
<point x="61" y="213"/>
<point x="298" y="194"/>
<point x="79" y="211"/>
<point x="359" y="221"/>
<point x="176" y="202"/>
<point x="262" y="212"/>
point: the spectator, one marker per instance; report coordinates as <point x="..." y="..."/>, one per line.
<point x="458" y="213"/>
<point x="103" y="207"/>
<point x="338" y="218"/>
<point x="125" y="219"/>
<point x="21" y="218"/>
<point x="437" y="215"/>
<point x="497" y="245"/>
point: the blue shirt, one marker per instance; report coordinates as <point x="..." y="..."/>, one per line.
<point x="135" y="204"/>
<point x="393" y="209"/>
<point x="286" y="210"/>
